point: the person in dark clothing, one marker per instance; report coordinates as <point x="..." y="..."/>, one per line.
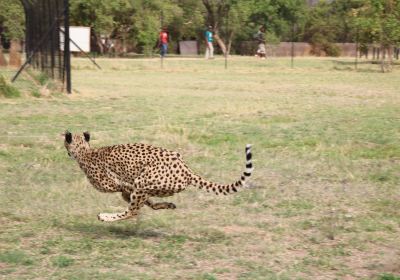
<point x="260" y="37"/>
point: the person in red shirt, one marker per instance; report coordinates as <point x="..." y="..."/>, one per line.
<point x="163" y="41"/>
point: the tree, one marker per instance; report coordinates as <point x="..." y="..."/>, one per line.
<point x="97" y="15"/>
<point x="188" y="22"/>
<point x="152" y="15"/>
<point x="12" y="21"/>
<point x="217" y="11"/>
<point x="133" y="22"/>
<point x="343" y="11"/>
<point x="378" y="22"/>
<point x="136" y="23"/>
<point x="321" y="29"/>
<point x="3" y="61"/>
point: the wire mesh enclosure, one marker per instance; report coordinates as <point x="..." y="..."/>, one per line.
<point x="45" y="19"/>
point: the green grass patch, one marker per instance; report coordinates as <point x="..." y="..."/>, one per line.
<point x="323" y="198"/>
<point x="62" y="261"/>
<point x="206" y="276"/>
<point x="291" y="208"/>
<point x="388" y="276"/>
<point x="16" y="257"/>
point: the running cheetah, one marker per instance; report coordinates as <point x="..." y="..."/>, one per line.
<point x="139" y="172"/>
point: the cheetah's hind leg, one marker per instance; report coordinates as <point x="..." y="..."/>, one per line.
<point x="126" y="196"/>
<point x="160" y="205"/>
<point x="151" y="204"/>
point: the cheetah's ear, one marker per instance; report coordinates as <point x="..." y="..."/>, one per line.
<point x="68" y="137"/>
<point x="87" y="136"/>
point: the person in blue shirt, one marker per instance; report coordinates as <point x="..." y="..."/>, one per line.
<point x="209" y="43"/>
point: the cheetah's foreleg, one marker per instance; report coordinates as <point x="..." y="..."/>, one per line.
<point x="137" y="200"/>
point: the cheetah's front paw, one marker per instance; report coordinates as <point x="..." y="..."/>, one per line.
<point x="106" y="217"/>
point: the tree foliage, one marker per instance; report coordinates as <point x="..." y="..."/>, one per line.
<point x="134" y="24"/>
<point x="12" y="19"/>
<point x="378" y="22"/>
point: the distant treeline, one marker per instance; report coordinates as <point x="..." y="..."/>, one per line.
<point x="133" y="25"/>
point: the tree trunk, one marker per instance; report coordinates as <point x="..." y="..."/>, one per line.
<point x="3" y="61"/>
<point x="100" y="45"/>
<point x="15" y="55"/>
<point x="211" y="15"/>
<point x="124" y="44"/>
<point x="387" y="59"/>
<point x="220" y="43"/>
<point x="216" y="11"/>
<point x="386" y="64"/>
<point x="390" y="57"/>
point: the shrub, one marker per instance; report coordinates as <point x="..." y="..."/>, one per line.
<point x="332" y="50"/>
<point x="42" y="78"/>
<point x="322" y="46"/>
<point x="7" y="90"/>
<point x="36" y="93"/>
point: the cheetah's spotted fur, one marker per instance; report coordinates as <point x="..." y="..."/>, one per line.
<point x="139" y="172"/>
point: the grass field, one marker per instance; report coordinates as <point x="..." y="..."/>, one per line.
<point x="325" y="196"/>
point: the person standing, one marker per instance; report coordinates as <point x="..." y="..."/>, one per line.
<point x="163" y="41"/>
<point x="209" y="43"/>
<point x="260" y="38"/>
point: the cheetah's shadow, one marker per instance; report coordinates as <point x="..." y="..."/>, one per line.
<point x="124" y="230"/>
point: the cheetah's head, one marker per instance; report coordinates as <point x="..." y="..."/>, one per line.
<point x="76" y="145"/>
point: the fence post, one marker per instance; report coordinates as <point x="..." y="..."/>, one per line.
<point x="356" y="60"/>
<point x="292" y="46"/>
<point x="67" y="54"/>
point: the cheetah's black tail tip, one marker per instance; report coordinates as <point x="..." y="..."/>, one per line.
<point x="249" y="164"/>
